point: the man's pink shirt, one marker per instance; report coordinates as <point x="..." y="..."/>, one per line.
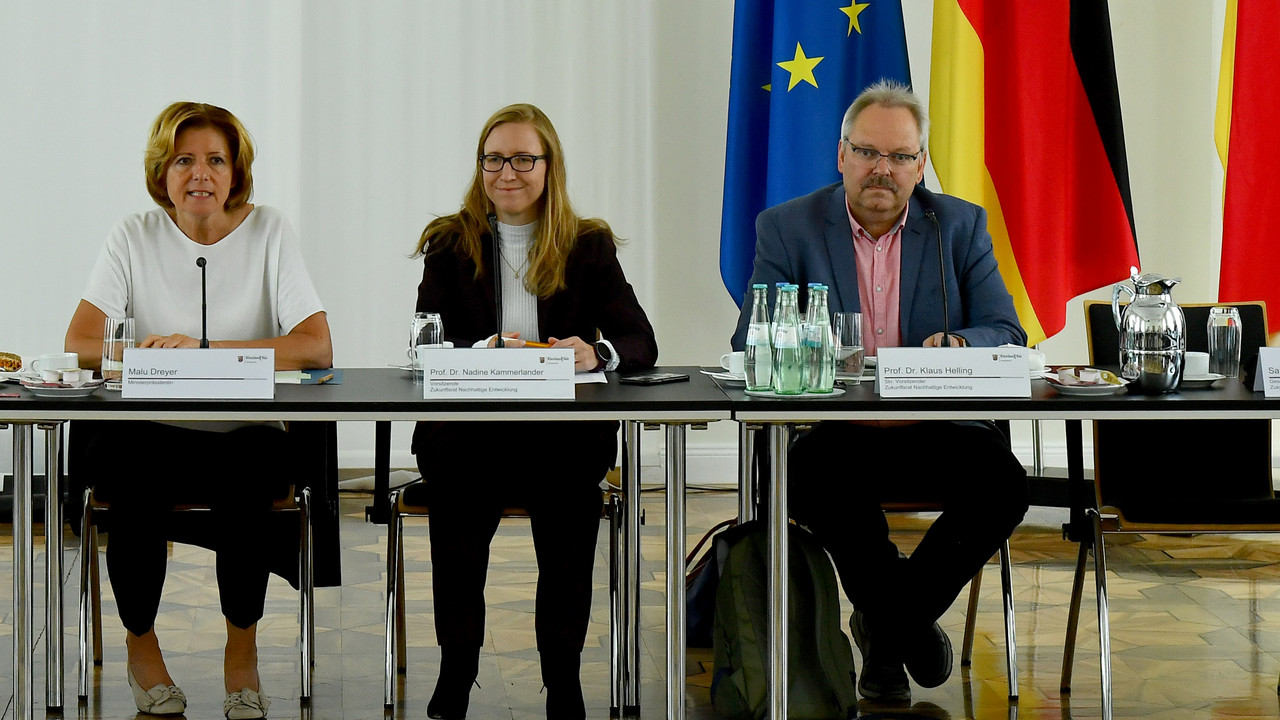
<point x="879" y="270"/>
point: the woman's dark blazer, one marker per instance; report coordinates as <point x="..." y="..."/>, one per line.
<point x="597" y="298"/>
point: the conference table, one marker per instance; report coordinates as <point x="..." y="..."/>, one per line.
<point x="370" y="395"/>
<point x="781" y="416"/>
<point x="388" y="395"/>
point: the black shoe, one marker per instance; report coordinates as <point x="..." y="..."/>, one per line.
<point x="458" y="670"/>
<point x="882" y="678"/>
<point x="561" y="676"/>
<point x="929" y="656"/>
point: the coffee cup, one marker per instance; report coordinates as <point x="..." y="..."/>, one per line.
<point x="734" y="362"/>
<point x="56" y="361"/>
<point x="1195" y="364"/>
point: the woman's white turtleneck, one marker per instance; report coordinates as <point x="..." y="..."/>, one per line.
<point x="519" y="306"/>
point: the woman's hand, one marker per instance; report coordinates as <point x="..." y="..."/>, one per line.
<point x="176" y="340"/>
<point x="509" y="339"/>
<point x="584" y="354"/>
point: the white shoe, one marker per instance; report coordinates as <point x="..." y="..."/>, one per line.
<point x="159" y="700"/>
<point x="245" y="705"/>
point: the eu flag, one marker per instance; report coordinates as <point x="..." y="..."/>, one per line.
<point x="797" y="64"/>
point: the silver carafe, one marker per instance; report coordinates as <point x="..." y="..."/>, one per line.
<point x="1152" y="333"/>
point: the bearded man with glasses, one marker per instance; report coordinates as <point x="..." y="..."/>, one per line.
<point x="876" y="240"/>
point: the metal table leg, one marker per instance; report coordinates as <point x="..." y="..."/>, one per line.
<point x="23" y="654"/>
<point x="675" y="571"/>
<point x="630" y="646"/>
<point x="747" y="485"/>
<point x="53" y="690"/>
<point x="780" y="442"/>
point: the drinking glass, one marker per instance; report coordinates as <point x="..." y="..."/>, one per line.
<point x="1224" y="341"/>
<point x="117" y="334"/>
<point x="426" y="331"/>
<point x="847" y="328"/>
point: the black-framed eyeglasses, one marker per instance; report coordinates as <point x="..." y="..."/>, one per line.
<point x="520" y="163"/>
<point x="869" y="157"/>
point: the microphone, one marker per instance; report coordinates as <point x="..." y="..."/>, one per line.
<point x="942" y="278"/>
<point x="204" y="305"/>
<point x="497" y="277"/>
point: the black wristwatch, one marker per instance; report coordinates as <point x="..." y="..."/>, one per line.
<point x="603" y="353"/>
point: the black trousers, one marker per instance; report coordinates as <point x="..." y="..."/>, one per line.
<point x="144" y="469"/>
<point x="554" y="469"/>
<point x="840" y="473"/>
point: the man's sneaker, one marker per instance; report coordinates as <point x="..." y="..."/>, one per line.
<point x="881" y="680"/>
<point x="928" y="657"/>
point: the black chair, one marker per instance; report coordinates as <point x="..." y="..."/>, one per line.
<point x="313" y="500"/>
<point x="1148" y="479"/>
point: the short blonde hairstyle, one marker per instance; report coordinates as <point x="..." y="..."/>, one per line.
<point x="184" y="115"/>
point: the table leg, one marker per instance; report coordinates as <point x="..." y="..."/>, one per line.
<point x="53" y="691"/>
<point x="780" y="443"/>
<point x="747" y="484"/>
<point x="380" y="510"/>
<point x="631" y="587"/>
<point x="23" y="655"/>
<point x="675" y="572"/>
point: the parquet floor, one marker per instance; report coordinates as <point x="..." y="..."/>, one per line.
<point x="1195" y="630"/>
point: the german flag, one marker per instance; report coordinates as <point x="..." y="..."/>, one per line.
<point x="1248" y="104"/>
<point x="1026" y="123"/>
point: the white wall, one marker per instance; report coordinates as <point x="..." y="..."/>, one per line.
<point x="366" y="115"/>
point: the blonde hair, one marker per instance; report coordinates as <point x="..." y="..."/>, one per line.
<point x="558" y="227"/>
<point x="184" y="115"/>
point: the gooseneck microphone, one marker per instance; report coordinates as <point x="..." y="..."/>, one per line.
<point x="942" y="278"/>
<point x="497" y="277"/>
<point x="204" y="305"/>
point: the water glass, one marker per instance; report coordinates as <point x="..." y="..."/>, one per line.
<point x="117" y="334"/>
<point x="1224" y="341"/>
<point x="426" y="331"/>
<point x="847" y="328"/>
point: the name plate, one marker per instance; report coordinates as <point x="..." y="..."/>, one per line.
<point x="953" y="372"/>
<point x="1267" y="376"/>
<point x="507" y="374"/>
<point x="203" y="374"/>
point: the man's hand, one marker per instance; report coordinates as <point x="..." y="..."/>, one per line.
<point x="935" y="340"/>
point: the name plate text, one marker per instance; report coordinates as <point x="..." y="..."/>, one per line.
<point x="505" y="374"/>
<point x="952" y="372"/>
<point x="201" y="374"/>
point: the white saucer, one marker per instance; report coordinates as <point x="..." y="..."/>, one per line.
<point x="1199" y="382"/>
<point x="1093" y="390"/>
<point x="727" y="378"/>
<point x="60" y="390"/>
<point x="802" y="396"/>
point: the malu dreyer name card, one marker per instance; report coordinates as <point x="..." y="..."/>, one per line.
<point x="199" y="373"/>
<point x="506" y="374"/>
<point x="953" y="372"/>
<point x="1267" y="376"/>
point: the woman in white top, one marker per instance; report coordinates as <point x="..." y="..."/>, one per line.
<point x="198" y="170"/>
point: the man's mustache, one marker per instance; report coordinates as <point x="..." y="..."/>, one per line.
<point x="880" y="181"/>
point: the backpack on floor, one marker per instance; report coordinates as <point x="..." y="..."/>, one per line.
<point x="820" y="674"/>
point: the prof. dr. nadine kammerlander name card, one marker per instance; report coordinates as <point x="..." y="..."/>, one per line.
<point x="506" y="374"/>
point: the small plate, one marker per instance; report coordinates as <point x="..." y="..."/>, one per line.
<point x="59" y="390"/>
<point x="728" y="379"/>
<point x="1087" y="390"/>
<point x="1199" y="382"/>
<point x="802" y="396"/>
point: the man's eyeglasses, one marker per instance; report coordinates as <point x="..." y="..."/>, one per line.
<point x="519" y="163"/>
<point x="869" y="157"/>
